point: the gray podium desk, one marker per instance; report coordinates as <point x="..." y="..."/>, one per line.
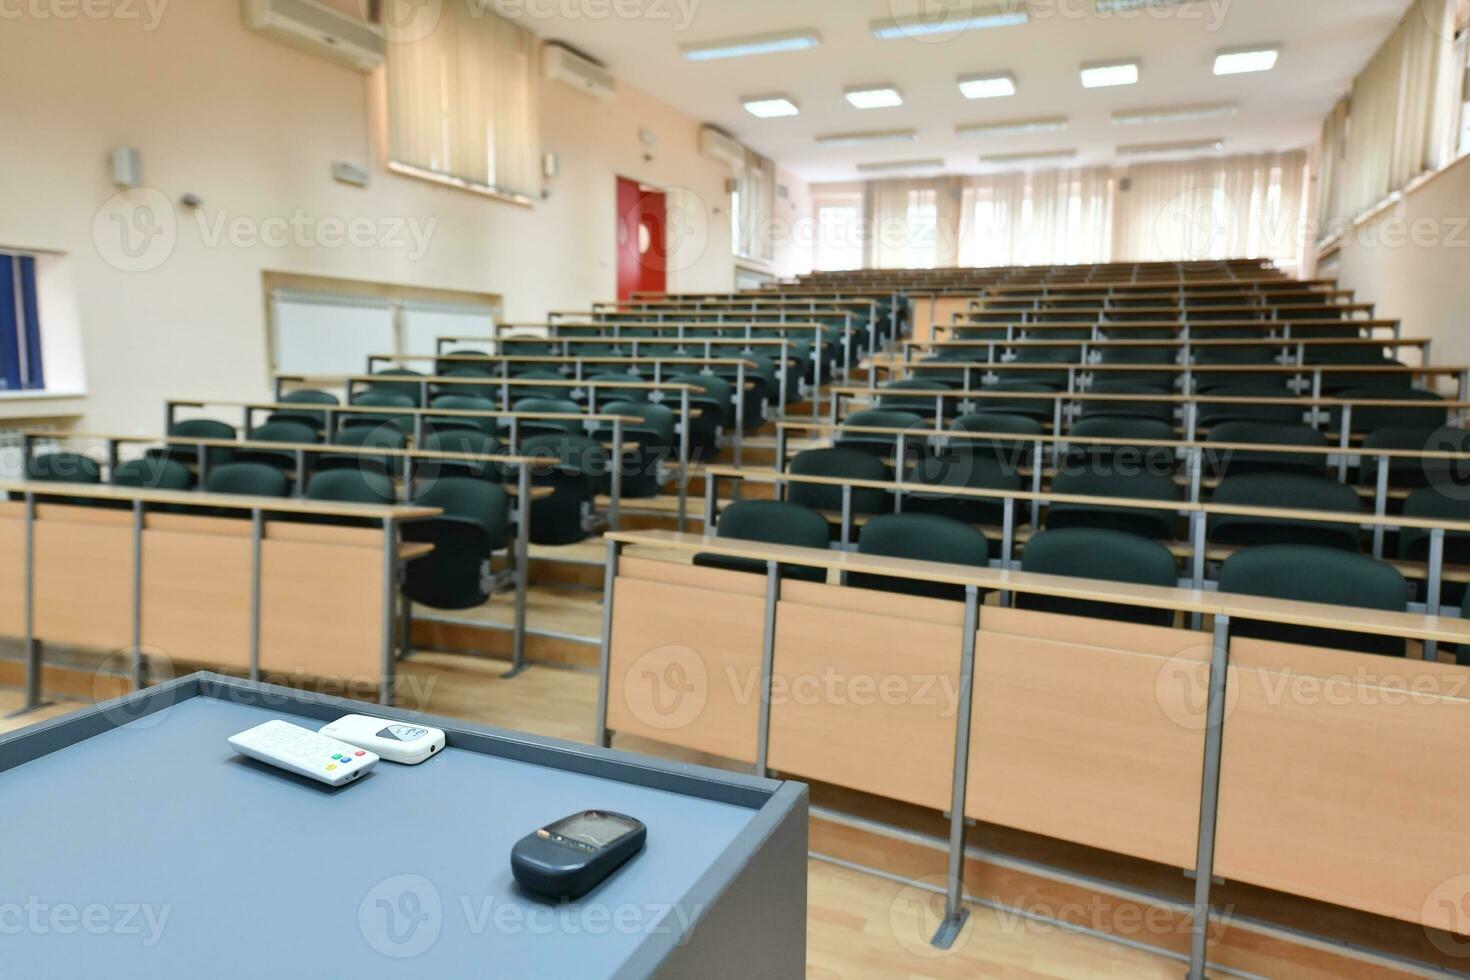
<point x="184" y="859"/>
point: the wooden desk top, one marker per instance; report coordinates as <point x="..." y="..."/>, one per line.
<point x="718" y="341"/>
<point x="458" y="413"/>
<point x="220" y="501"/>
<point x="564" y="359"/>
<point x="1410" y="626"/>
<point x="421" y="379"/>
<point x="982" y="394"/>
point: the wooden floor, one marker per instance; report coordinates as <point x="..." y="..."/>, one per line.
<point x="12" y="700"/>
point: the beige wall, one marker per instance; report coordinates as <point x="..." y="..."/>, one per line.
<point x="251" y="127"/>
<point x="1413" y="260"/>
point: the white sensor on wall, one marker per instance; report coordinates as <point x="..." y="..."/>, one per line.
<point x="348" y="173"/>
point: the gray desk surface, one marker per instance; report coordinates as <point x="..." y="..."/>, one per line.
<point x="154" y="850"/>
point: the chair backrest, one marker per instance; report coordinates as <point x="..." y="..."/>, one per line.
<point x="1267" y="433"/>
<point x="843" y="463"/>
<point x="63" y="467"/>
<point x="1285" y="489"/>
<point x="879" y="418"/>
<point x="153" y="473"/>
<point x="1101" y="426"/>
<point x="658" y="420"/>
<point x="920" y="404"/>
<point x="478" y="500"/>
<point x="463" y="403"/>
<point x="1036" y="408"/>
<point x="1366" y="418"/>
<point x="285" y="430"/>
<point x="1158" y="410"/>
<point x="1097" y="553"/>
<point x="1093" y="478"/>
<point x="382" y="436"/>
<point x="374" y="398"/>
<point x="201" y="429"/>
<point x="411" y="390"/>
<point x="248" y="479"/>
<point x="622" y="394"/>
<point x="773" y="522"/>
<point x="305" y="396"/>
<point x="924" y="537"/>
<point x="1216" y="413"/>
<point x="1445" y="500"/>
<point x="1308" y="574"/>
<point x="551" y="392"/>
<point x="470" y="442"/>
<point x="354" y="486"/>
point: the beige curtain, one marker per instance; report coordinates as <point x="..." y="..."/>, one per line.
<point x="755" y="188"/>
<point x="1049" y="217"/>
<point x="463" y="101"/>
<point x="1331" y="150"/>
<point x="1401" y="113"/>
<point x="902" y="219"/>
<point x="1231" y="207"/>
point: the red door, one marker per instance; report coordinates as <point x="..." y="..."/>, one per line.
<point x="642" y="249"/>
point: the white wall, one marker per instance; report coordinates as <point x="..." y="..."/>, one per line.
<point x="251" y="127"/>
<point x="1413" y="260"/>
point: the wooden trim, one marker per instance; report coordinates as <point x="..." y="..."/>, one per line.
<point x="222" y="501"/>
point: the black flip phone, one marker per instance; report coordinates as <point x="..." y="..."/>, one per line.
<point x="569" y="858"/>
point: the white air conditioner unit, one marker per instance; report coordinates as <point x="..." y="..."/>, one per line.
<point x="564" y="65"/>
<point x="717" y="146"/>
<point x="315" y="28"/>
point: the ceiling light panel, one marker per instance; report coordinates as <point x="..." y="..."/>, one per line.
<point x="1244" y="61"/>
<point x="743" y="47"/>
<point x="863" y="139"/>
<point x="1042" y="157"/>
<point x="770" y="106"/>
<point x="1109" y="74"/>
<point x="1120" y="6"/>
<point x="876" y="168"/>
<point x="874" y="96"/>
<point x="993" y="86"/>
<point x="1011" y="127"/>
<point x="1182" y="113"/>
<point x="966" y="17"/>
<point x="1156" y="149"/>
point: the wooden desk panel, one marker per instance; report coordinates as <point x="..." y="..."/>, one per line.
<point x="685" y="656"/>
<point x="1343" y="780"/>
<point x="12" y="568"/>
<point x="1090" y="731"/>
<point x="196" y="588"/>
<point x="865" y="689"/>
<point x="321" y="606"/>
<point x="83" y="576"/>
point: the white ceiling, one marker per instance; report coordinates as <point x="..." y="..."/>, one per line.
<point x="1325" y="43"/>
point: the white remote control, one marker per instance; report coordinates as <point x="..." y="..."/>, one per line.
<point x="394" y="741"/>
<point x="304" y="752"/>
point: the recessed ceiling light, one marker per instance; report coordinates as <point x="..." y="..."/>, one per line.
<point x="1243" y="61"/>
<point x="1004" y="158"/>
<point x="740" y="47"/>
<point x="770" y="106"/>
<point x="1106" y="74"/>
<point x="1114" y="6"/>
<point x="1050" y="124"/>
<point x="873" y="168"/>
<point x="874" y="96"/>
<point x="1142" y="117"/>
<point x="993" y="86"/>
<point x="861" y="139"/>
<point x="1190" y="146"/>
<point x="951" y="22"/>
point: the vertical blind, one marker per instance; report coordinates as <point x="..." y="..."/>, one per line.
<point x="754" y="208"/>
<point x="462" y="103"/>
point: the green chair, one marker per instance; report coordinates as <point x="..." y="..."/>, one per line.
<point x="1229" y="462"/>
<point x="715" y="405"/>
<point x="1211" y="414"/>
<point x="1306" y="574"/>
<point x="366" y="438"/>
<point x="772" y="522"/>
<point x="305" y="396"/>
<point x="281" y="432"/>
<point x="1296" y="490"/>
<point x="529" y="428"/>
<point x="351" y="487"/>
<point x="372" y="398"/>
<point x="1097" y="553"/>
<point x="1130" y="431"/>
<point x="620" y="394"/>
<point x="879" y="444"/>
<point x="1015" y="453"/>
<point x="1369" y="418"/>
<point x="484" y="369"/>
<point x="656" y="444"/>
<point x="1412" y="473"/>
<point x="1444" y="502"/>
<point x="152" y="473"/>
<point x="1105" y="481"/>
<point x="971" y="471"/>
<point x="924" y="406"/>
<point x="558" y="392"/>
<point x="63" y="467"/>
<point x="247" y="479"/>
<point x="1041" y="409"/>
<point x="459" y="375"/>
<point x="848" y="464"/>
<point x="462" y="403"/>
<point x="410" y="389"/>
<point x="1144" y="358"/>
<point x="924" y="537"/>
<point x="475" y="524"/>
<point x="576" y="469"/>
<point x="197" y="429"/>
<point x="464" y="441"/>
<point x="1149" y="405"/>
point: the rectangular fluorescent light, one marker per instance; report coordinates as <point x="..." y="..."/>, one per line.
<point x="1114" y="6"/>
<point x="876" y="168"/>
<point x="966" y="18"/>
<point x="874" y="96"/>
<point x="770" y="106"/>
<point x="1243" y="61"/>
<point x="992" y="86"/>
<point x="862" y="139"/>
<point x="1044" y="156"/>
<point x="1011" y="127"/>
<point x="1183" y="113"/>
<point x="741" y="47"/>
<point x="1107" y="74"/>
<point x="1189" y="146"/>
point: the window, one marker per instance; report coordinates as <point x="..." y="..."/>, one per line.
<point x="462" y="103"/>
<point x="839" y="238"/>
<point x="753" y="208"/>
<point x="923" y="220"/>
<point x="1463" y="144"/>
<point x="21" y="368"/>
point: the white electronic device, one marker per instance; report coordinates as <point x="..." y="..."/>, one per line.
<point x="304" y="752"/>
<point x="394" y="741"/>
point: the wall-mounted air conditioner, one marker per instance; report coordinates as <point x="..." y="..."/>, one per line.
<point x="315" y="28"/>
<point x="564" y="65"/>
<point x="717" y="146"/>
